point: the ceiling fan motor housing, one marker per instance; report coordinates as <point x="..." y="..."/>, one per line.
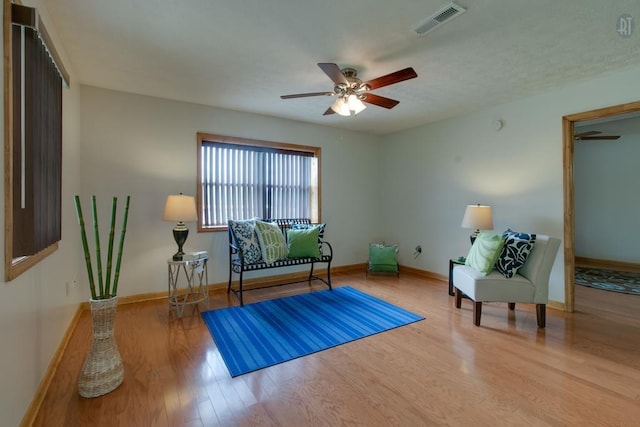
<point x="355" y="86"/>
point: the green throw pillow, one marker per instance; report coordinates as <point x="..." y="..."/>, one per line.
<point x="383" y="258"/>
<point x="303" y="243"/>
<point x="485" y="252"/>
<point x="272" y="244"/>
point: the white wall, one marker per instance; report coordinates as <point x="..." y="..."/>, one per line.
<point x="433" y="171"/>
<point x="607" y="202"/>
<point x="35" y="308"/>
<point x="146" y="147"/>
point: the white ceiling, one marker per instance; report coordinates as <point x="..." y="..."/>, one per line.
<point x="244" y="54"/>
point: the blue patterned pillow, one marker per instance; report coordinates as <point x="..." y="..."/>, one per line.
<point x="515" y="252"/>
<point x="247" y="239"/>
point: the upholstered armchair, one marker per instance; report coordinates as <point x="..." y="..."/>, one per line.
<point x="529" y="285"/>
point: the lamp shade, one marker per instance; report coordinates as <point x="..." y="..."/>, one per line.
<point x="477" y="217"/>
<point x="180" y="208"/>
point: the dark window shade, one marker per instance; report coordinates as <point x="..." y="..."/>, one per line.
<point x="37" y="178"/>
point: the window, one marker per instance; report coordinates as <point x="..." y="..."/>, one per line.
<point x="33" y="140"/>
<point x="244" y="178"/>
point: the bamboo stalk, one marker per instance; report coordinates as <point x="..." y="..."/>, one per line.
<point x="98" y="254"/>
<point x="85" y="247"/>
<point x="107" y="281"/>
<point x="122" y="234"/>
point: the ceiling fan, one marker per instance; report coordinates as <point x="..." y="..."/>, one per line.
<point x="590" y="136"/>
<point x="351" y="92"/>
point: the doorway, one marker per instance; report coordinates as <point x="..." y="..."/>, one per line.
<point x="569" y="194"/>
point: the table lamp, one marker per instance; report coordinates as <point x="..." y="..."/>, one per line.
<point x="479" y="217"/>
<point x="180" y="208"/>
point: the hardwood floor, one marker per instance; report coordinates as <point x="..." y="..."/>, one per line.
<point x="583" y="369"/>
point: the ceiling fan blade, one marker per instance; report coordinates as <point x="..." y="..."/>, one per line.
<point x="589" y="133"/>
<point x="389" y="79"/>
<point x="380" y="101"/>
<point x="328" y="112"/>
<point x="598" y="138"/>
<point x="334" y="73"/>
<point x="304" y="95"/>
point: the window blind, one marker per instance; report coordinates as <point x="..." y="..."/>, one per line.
<point x="242" y="182"/>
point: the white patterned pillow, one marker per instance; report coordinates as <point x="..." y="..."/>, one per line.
<point x="272" y="243"/>
<point x="247" y="239"/>
<point x="515" y="252"/>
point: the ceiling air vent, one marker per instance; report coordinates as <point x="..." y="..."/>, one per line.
<point x="445" y="14"/>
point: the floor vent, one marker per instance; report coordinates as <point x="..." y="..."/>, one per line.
<point x="445" y="14"/>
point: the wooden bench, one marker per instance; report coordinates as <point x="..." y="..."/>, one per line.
<point x="238" y="265"/>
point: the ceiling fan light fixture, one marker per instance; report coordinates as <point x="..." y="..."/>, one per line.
<point x="340" y="107"/>
<point x="355" y="105"/>
<point x="348" y="105"/>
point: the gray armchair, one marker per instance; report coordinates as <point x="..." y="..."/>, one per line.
<point x="529" y="285"/>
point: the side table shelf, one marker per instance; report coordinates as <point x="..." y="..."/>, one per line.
<point x="192" y="275"/>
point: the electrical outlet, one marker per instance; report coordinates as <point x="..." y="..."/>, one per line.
<point x="417" y="251"/>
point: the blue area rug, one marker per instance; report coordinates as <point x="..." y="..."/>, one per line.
<point x="270" y="332"/>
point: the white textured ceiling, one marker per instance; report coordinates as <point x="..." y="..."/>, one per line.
<point x="244" y="54"/>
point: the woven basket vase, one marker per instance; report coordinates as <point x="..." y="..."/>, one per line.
<point x="102" y="371"/>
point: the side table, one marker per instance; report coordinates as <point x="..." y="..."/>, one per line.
<point x="452" y="262"/>
<point x="193" y="274"/>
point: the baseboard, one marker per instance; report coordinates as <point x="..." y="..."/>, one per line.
<point x="557" y="305"/>
<point x="423" y="273"/>
<point x="607" y="264"/>
<point x="43" y="387"/>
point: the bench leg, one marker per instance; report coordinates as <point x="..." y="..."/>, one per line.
<point x="458" y="295"/>
<point x="311" y="273"/>
<point x="240" y="290"/>
<point x="512" y="306"/>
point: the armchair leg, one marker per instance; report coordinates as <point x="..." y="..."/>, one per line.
<point x="458" y="298"/>
<point x="477" y="312"/>
<point x="512" y="306"/>
<point x="541" y="314"/>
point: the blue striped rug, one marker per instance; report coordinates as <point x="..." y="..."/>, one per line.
<point x="270" y="332"/>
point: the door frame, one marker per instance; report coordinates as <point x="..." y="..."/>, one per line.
<point x="569" y="195"/>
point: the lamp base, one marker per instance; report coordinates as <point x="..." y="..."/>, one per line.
<point x="473" y="236"/>
<point x="180" y="233"/>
